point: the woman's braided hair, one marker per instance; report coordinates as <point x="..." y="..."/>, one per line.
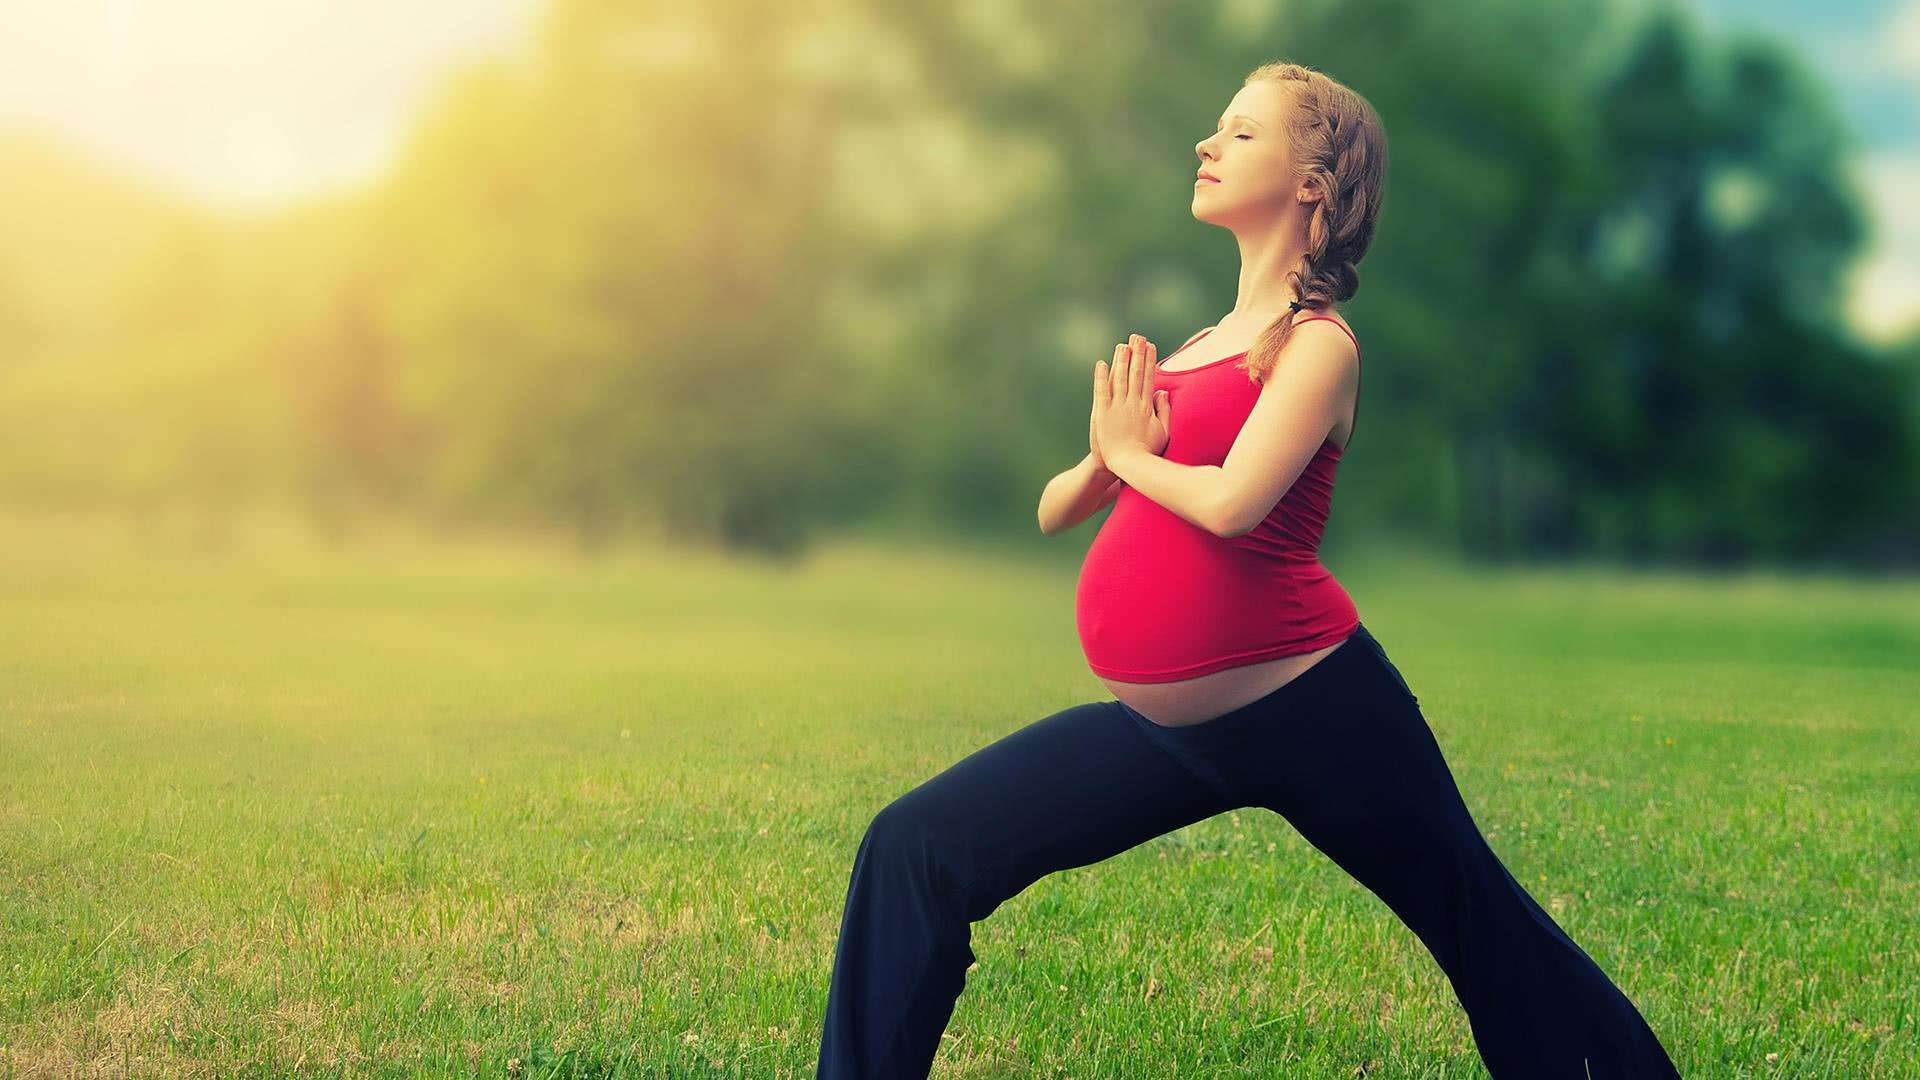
<point x="1340" y="148"/>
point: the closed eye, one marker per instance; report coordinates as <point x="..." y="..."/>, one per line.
<point x="1243" y="136"/>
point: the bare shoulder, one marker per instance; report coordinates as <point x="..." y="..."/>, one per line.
<point x="1321" y="336"/>
<point x="1345" y="346"/>
<point x="1319" y="318"/>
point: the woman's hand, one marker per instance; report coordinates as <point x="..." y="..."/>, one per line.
<point x="1157" y="442"/>
<point x="1129" y="416"/>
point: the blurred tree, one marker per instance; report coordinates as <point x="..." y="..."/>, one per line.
<point x="1703" y="396"/>
<point x="743" y="272"/>
<point x="340" y="373"/>
<point x="607" y="273"/>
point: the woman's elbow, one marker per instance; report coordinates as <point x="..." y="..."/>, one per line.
<point x="1231" y="521"/>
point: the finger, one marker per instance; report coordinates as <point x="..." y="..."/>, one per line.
<point x="1142" y="379"/>
<point x="1122" y="368"/>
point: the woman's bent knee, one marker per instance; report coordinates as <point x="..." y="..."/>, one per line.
<point x="943" y="860"/>
<point x="904" y="835"/>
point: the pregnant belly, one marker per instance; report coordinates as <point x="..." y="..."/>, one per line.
<point x="1183" y="625"/>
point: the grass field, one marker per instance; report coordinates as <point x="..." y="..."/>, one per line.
<point x="488" y="810"/>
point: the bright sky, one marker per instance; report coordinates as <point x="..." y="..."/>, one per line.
<point x="1868" y="54"/>
<point x="240" y="101"/>
<point x="257" y="102"/>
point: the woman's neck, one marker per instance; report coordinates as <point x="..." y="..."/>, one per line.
<point x="1265" y="289"/>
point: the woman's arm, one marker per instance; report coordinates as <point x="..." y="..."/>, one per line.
<point x="1297" y="407"/>
<point x="1075" y="495"/>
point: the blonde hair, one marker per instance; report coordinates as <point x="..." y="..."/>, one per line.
<point x="1340" y="147"/>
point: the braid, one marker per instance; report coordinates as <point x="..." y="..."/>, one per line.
<point x="1341" y="152"/>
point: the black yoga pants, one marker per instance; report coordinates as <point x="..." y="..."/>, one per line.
<point x="1341" y="751"/>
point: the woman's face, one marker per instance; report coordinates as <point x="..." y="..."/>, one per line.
<point x="1248" y="157"/>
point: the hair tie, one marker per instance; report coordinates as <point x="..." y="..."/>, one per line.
<point x="1296" y="305"/>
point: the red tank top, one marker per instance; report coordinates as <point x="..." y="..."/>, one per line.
<point x="1160" y="599"/>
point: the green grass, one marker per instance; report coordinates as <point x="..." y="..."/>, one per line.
<point x="421" y="810"/>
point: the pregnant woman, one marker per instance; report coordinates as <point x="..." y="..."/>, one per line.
<point x="1240" y="671"/>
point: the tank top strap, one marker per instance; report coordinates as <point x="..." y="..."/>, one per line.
<point x="1334" y="321"/>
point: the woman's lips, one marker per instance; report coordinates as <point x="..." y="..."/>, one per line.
<point x="1202" y="180"/>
